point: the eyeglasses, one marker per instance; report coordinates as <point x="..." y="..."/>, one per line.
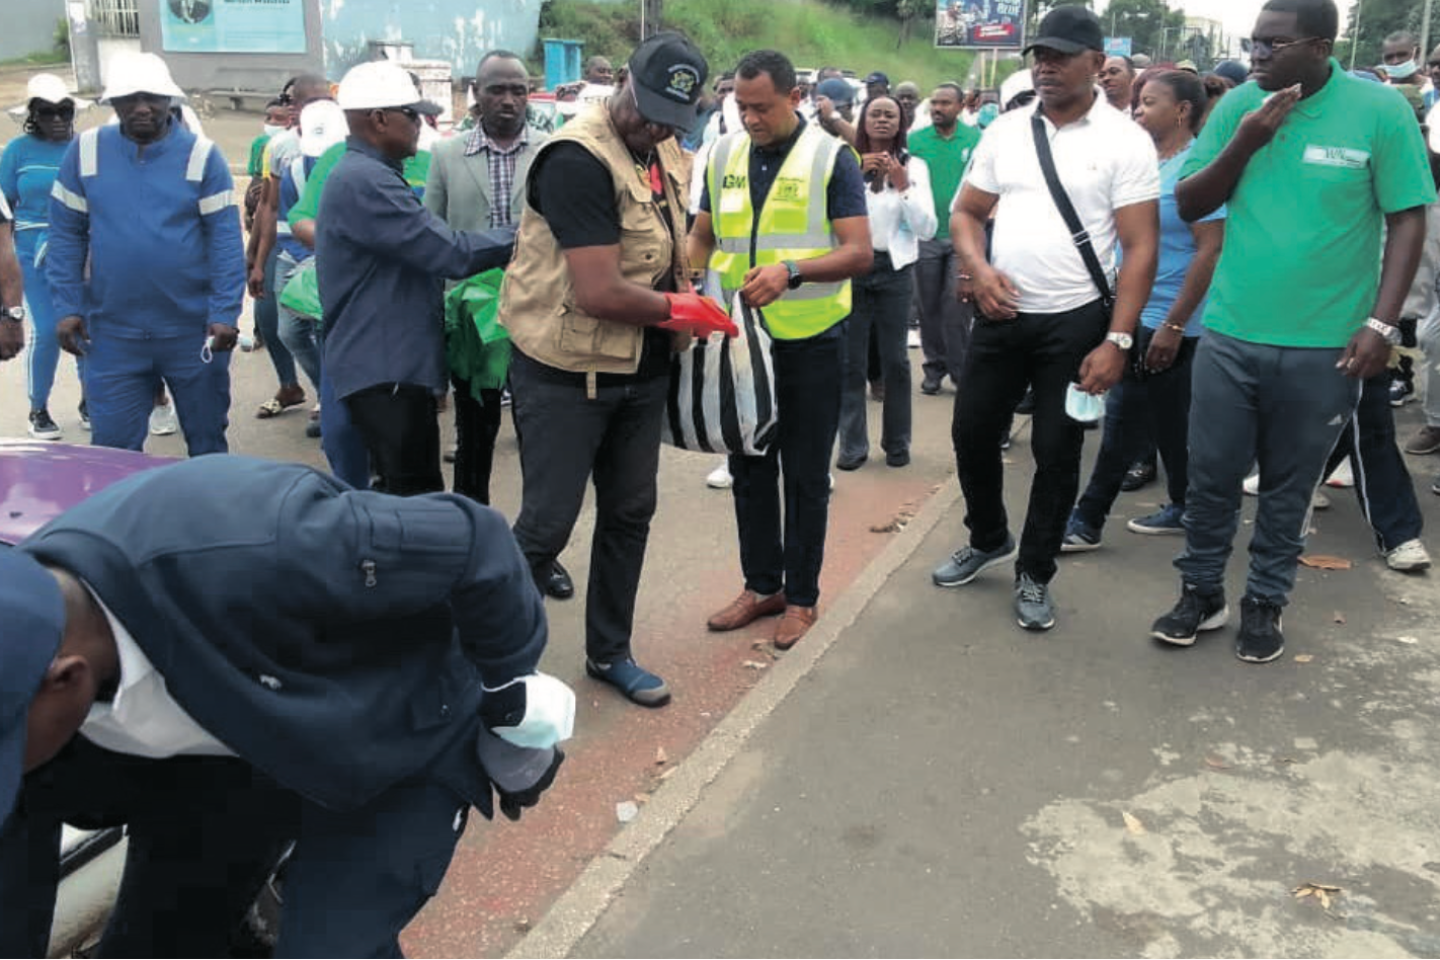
<point x="409" y="113"/>
<point x="1433" y="64"/>
<point x="1272" y="46"/>
<point x="64" y="111"/>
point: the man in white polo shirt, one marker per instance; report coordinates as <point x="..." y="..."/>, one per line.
<point x="1041" y="319"/>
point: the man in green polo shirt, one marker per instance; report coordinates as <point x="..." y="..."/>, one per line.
<point x="1312" y="164"/>
<point x="945" y="147"/>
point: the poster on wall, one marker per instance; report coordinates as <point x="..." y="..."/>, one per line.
<point x="980" y="24"/>
<point x="232" y="26"/>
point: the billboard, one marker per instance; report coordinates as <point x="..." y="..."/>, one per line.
<point x="1119" y="47"/>
<point x="980" y="24"/>
<point x="232" y="26"/>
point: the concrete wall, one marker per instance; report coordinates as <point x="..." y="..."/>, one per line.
<point x="458" y="31"/>
<point x="29" y="26"/>
<point x="233" y="71"/>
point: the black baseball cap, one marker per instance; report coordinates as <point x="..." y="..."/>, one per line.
<point x="877" y="77"/>
<point x="1069" y="30"/>
<point x="667" y="73"/>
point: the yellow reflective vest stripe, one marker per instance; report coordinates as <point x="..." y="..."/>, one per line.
<point x="793" y="225"/>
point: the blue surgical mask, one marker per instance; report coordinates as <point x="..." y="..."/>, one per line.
<point x="1402" y="71"/>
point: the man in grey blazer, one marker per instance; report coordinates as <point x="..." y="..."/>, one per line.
<point x="477" y="182"/>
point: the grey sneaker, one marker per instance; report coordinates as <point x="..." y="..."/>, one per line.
<point x="42" y="427"/>
<point x="1034" y="610"/>
<point x="1259" y="639"/>
<point x="967" y="563"/>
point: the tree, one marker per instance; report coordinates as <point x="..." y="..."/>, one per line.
<point x="1151" y="25"/>
<point x="1377" y="20"/>
<point x="909" y="11"/>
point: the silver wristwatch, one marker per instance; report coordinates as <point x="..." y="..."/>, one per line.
<point x="1389" y="331"/>
<point x="1122" y="340"/>
<point x="15" y="313"/>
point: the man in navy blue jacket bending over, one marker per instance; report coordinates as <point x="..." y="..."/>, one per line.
<point x="325" y="666"/>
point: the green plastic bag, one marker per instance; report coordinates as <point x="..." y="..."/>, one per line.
<point x="477" y="348"/>
<point x="302" y="292"/>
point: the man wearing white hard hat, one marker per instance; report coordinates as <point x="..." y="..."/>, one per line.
<point x="27" y="175"/>
<point x="379" y="253"/>
<point x="149" y="208"/>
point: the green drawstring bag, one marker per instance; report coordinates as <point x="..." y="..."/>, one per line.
<point x="477" y="348"/>
<point x="302" y="293"/>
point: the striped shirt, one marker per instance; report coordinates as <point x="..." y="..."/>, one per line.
<point x="501" y="165"/>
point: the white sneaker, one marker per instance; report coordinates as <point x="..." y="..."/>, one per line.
<point x="719" y="478"/>
<point x="1343" y="475"/>
<point x="1251" y="486"/>
<point x="1409" y="557"/>
<point x="912" y="339"/>
<point x="163" y="421"/>
<point x="1318" y="501"/>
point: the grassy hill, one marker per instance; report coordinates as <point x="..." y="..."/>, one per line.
<point x="810" y="33"/>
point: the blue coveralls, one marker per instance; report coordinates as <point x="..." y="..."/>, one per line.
<point x="159" y="225"/>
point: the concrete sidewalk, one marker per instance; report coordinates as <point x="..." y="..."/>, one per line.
<point x="939" y="783"/>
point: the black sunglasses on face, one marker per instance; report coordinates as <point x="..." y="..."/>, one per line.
<point x="62" y="112"/>
<point x="409" y="113"/>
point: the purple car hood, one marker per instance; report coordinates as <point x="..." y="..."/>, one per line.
<point x="40" y="481"/>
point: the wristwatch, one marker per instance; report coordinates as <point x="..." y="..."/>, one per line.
<point x="1389" y="331"/>
<point x="1122" y="340"/>
<point x="15" y="313"/>
<point x="795" y="279"/>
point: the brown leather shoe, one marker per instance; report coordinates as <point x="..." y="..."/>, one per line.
<point x="746" y="609"/>
<point x="794" y="625"/>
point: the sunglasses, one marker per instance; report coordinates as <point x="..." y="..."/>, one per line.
<point x="64" y="111"/>
<point x="1261" y="46"/>
<point x="409" y="113"/>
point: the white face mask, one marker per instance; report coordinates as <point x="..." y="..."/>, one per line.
<point x="272" y="129"/>
<point x="1402" y="71"/>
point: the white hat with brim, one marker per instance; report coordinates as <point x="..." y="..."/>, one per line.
<point x="1012" y="86"/>
<point x="132" y="73"/>
<point x="322" y="125"/>
<point x="51" y="89"/>
<point x="382" y="85"/>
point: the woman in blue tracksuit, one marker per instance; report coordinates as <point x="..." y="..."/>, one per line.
<point x="27" y="173"/>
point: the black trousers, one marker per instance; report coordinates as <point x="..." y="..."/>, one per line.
<point x="398" y="422"/>
<point x="787" y="554"/>
<point x="612" y="440"/>
<point x="1042" y="351"/>
<point x="477" y="425"/>
<point x="205" y="833"/>
<point x="944" y="320"/>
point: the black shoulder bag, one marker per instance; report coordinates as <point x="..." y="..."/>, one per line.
<point x="1067" y="211"/>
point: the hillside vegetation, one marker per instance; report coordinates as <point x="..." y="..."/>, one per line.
<point x="810" y="33"/>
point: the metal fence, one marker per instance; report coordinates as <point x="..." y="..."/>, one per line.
<point x="115" y="18"/>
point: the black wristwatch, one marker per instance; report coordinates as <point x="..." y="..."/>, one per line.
<point x="795" y="279"/>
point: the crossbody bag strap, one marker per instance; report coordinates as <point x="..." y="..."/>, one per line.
<point x="1067" y="209"/>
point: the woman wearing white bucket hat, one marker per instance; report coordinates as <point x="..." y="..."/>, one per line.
<point x="27" y="173"/>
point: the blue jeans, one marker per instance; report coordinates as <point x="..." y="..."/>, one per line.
<point x="344" y="447"/>
<point x="1285" y="407"/>
<point x="122" y="374"/>
<point x="882" y="300"/>
<point x="44" y="345"/>
<point x="788" y="556"/>
<point x="300" y="335"/>
<point x="1137" y="409"/>
<point x="1382" y="481"/>
<point x="267" y="322"/>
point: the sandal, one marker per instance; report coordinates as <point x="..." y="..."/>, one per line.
<point x="276" y="406"/>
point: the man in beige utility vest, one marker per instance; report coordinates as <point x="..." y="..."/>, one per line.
<point x="594" y="301"/>
<point x="795" y="263"/>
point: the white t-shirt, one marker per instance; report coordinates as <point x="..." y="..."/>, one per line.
<point x="1105" y="161"/>
<point x="899" y="221"/>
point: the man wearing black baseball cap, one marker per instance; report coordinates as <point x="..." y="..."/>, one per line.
<point x="1042" y="318"/>
<point x="597" y="297"/>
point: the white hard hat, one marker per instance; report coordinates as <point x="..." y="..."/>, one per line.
<point x="132" y="73"/>
<point x="51" y="89"/>
<point x="1017" y="83"/>
<point x="380" y="85"/>
<point x="322" y="125"/>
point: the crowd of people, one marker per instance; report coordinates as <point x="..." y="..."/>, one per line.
<point x="1223" y="268"/>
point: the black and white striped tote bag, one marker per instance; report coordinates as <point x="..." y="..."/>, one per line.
<point x="722" y="390"/>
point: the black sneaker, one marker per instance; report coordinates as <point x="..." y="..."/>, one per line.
<point x="1259" y="639"/>
<point x="1194" y="612"/>
<point x="84" y="416"/>
<point x="1140" y="474"/>
<point x="1034" y="610"/>
<point x="42" y="427"/>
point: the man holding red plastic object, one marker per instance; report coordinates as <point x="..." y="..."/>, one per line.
<point x="595" y="301"/>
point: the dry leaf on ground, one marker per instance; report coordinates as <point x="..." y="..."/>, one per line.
<point x="1320" y="561"/>
<point x="1303" y="658"/>
<point x="1132" y="823"/>
<point x="1339" y="617"/>
<point x="1215" y="762"/>
<point x="660" y="757"/>
<point x="1324" y="892"/>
